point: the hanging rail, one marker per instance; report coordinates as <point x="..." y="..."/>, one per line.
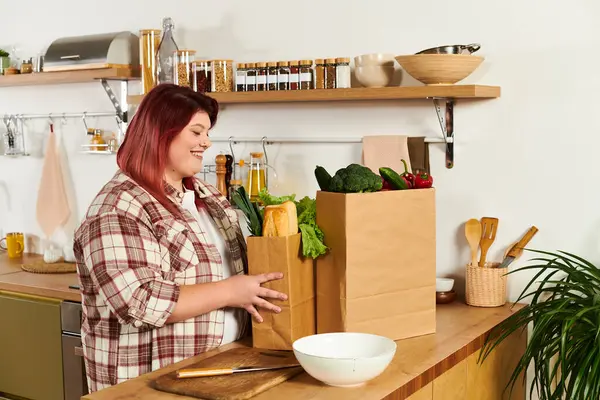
<point x="273" y="140"/>
<point x="65" y="115"/>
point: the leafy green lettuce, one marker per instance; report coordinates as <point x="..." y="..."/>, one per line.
<point x="306" y="208"/>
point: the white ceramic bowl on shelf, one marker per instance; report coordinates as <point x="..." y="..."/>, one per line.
<point x="376" y="59"/>
<point x="344" y="359"/>
<point x="374" y="75"/>
<point x="444" y="284"/>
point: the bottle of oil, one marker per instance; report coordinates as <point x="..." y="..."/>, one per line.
<point x="256" y="175"/>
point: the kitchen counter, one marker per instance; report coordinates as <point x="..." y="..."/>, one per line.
<point x="56" y="286"/>
<point x="418" y="364"/>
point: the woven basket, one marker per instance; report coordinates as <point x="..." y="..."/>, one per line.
<point x="40" y="267"/>
<point x="486" y="286"/>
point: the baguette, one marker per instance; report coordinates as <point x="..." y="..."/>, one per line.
<point x="280" y="220"/>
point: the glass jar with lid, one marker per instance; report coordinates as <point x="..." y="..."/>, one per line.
<point x="342" y="73"/>
<point x="250" y="77"/>
<point x="261" y="76"/>
<point x="182" y="67"/>
<point x="149" y="42"/>
<point x="201" y="76"/>
<point x="283" y="75"/>
<point x="305" y="72"/>
<point x="294" y="75"/>
<point x="240" y="78"/>
<point x="271" y="75"/>
<point x="222" y="76"/>
<point x="319" y="73"/>
<point x="330" y="65"/>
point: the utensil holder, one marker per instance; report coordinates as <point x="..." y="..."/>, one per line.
<point x="486" y="286"/>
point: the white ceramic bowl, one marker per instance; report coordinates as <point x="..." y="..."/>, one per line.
<point x="374" y="76"/>
<point x="444" y="284"/>
<point x="344" y="358"/>
<point x="375" y="59"/>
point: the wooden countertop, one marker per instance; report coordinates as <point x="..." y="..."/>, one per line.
<point x="14" y="279"/>
<point x="419" y="360"/>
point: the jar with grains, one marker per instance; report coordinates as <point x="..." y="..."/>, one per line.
<point x="272" y="75"/>
<point x="149" y="41"/>
<point x="182" y="67"/>
<point x="201" y="76"/>
<point x="261" y="76"/>
<point x="330" y="73"/>
<point x="294" y="75"/>
<point x="283" y="75"/>
<point x="250" y="77"/>
<point x="319" y="73"/>
<point x="306" y="76"/>
<point x="222" y="76"/>
<point x="240" y="78"/>
<point x="342" y="73"/>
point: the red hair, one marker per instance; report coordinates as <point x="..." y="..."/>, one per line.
<point x="163" y="113"/>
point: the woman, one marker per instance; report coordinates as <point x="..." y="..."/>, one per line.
<point x="160" y="254"/>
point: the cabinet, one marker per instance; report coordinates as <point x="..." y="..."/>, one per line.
<point x="30" y="347"/>
<point x="470" y="380"/>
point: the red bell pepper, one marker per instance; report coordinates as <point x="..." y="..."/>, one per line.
<point x="407" y="176"/>
<point x="423" y="181"/>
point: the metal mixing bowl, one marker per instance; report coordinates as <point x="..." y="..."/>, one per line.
<point x="452" y="49"/>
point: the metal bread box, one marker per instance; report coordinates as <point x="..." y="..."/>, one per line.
<point x="106" y="50"/>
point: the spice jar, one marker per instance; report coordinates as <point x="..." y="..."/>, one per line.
<point x="222" y="76"/>
<point x="240" y="78"/>
<point x="305" y="71"/>
<point x="330" y="73"/>
<point x="342" y="73"/>
<point x="271" y="76"/>
<point x="261" y="76"/>
<point x="149" y="42"/>
<point x="250" y="77"/>
<point x="319" y="73"/>
<point x="201" y="76"/>
<point x="182" y="67"/>
<point x="294" y="75"/>
<point x="27" y="66"/>
<point x="283" y="75"/>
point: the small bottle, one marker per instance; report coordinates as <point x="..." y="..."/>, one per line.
<point x="250" y="77"/>
<point x="283" y="75"/>
<point x="240" y="78"/>
<point x="330" y="73"/>
<point x="306" y="74"/>
<point x="319" y="73"/>
<point x="261" y="76"/>
<point x="294" y="75"/>
<point x="97" y="139"/>
<point x="342" y="73"/>
<point x="166" y="49"/>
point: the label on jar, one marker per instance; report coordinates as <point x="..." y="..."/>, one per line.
<point x="294" y="78"/>
<point x="240" y="79"/>
<point x="272" y="79"/>
<point x="250" y="80"/>
<point x="284" y="78"/>
<point x="261" y="79"/>
<point x="306" y="77"/>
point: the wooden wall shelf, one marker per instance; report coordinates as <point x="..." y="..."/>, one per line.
<point x="53" y="78"/>
<point x="356" y="94"/>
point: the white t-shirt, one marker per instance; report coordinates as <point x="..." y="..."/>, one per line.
<point x="232" y="328"/>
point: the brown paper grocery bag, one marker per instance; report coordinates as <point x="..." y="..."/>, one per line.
<point x="379" y="274"/>
<point x="297" y="317"/>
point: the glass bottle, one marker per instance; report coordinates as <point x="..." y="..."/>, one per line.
<point x="240" y="78"/>
<point x="306" y="74"/>
<point x="250" y="77"/>
<point x="319" y="73"/>
<point x="342" y="73"/>
<point x="271" y="76"/>
<point x="283" y="75"/>
<point x="97" y="139"/>
<point x="330" y="73"/>
<point x="166" y="49"/>
<point x="261" y="76"/>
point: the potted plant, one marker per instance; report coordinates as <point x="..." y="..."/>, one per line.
<point x="4" y="61"/>
<point x="564" y="345"/>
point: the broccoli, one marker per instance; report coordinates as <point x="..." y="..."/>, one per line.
<point x="355" y="178"/>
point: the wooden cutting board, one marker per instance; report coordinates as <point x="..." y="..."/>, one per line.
<point x="239" y="386"/>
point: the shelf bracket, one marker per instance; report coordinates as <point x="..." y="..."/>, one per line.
<point x="446" y="121"/>
<point x="120" y="106"/>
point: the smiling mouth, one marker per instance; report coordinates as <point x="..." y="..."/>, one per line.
<point x="197" y="154"/>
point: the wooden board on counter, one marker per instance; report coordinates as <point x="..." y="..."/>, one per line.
<point x="239" y="386"/>
<point x="418" y="361"/>
<point x="356" y="94"/>
<point x="12" y="265"/>
<point x="80" y="76"/>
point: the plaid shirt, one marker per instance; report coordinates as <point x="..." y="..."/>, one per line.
<point x="132" y="255"/>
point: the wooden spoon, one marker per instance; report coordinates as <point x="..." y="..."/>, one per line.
<point x="489" y="226"/>
<point x="473" y="234"/>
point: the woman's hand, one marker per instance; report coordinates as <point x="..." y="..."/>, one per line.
<point x="245" y="291"/>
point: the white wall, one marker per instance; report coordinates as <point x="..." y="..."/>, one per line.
<point x="526" y="158"/>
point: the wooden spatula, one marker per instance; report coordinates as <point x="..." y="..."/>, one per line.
<point x="489" y="226"/>
<point x="473" y="234"/>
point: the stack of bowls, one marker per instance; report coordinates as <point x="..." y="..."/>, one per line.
<point x="374" y="70"/>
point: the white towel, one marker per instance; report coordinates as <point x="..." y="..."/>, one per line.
<point x="385" y="151"/>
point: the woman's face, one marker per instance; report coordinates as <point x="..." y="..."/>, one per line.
<point x="187" y="149"/>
